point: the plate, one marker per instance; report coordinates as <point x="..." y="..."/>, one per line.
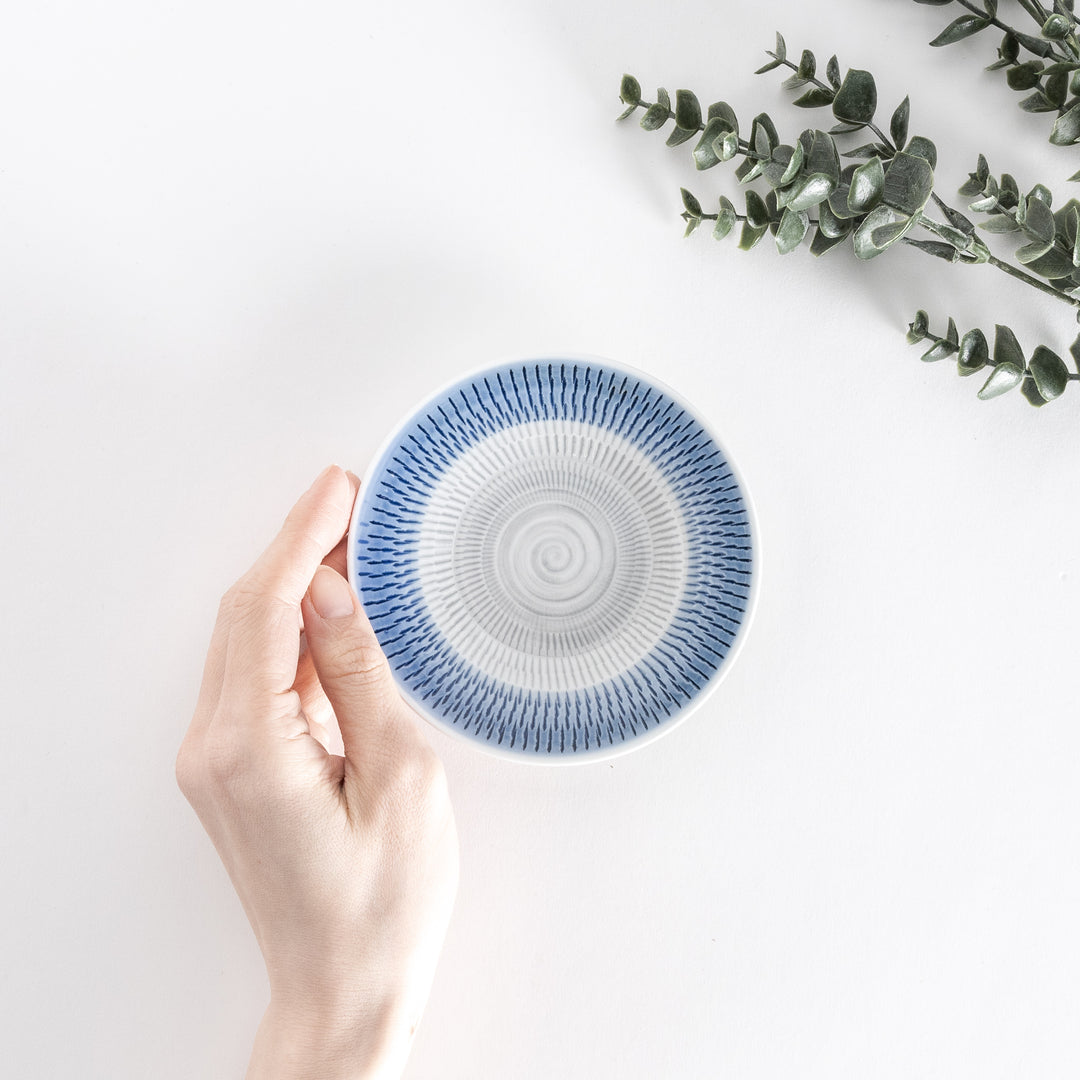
<point x="557" y="557"/>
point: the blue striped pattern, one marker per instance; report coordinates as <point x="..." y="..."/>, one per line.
<point x="683" y="661"/>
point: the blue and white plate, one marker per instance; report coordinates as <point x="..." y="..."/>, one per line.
<point x="557" y="558"/>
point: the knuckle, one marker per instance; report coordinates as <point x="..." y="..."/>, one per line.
<point x="361" y="659"/>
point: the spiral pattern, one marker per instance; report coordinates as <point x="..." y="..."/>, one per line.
<point x="553" y="555"/>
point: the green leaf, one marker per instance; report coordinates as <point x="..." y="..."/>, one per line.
<point x="781" y="46"/>
<point x="1056" y="27"/>
<point x="1066" y="130"/>
<point x="909" y="180"/>
<point x="856" y="100"/>
<point x="898" y="126"/>
<point x="1024" y="76"/>
<point x="829" y="225"/>
<point x="630" y="91"/>
<point x="705" y="153"/>
<point x="923" y="148"/>
<point x="943" y="347"/>
<point x="655" y="117"/>
<point x="693" y="207"/>
<point x="999" y="223"/>
<point x="1049" y="372"/>
<point x="918" y="327"/>
<point x="763" y="135"/>
<point x="1006" y="348"/>
<point x="795" y="163"/>
<point x="974" y="352"/>
<point x="1037" y="103"/>
<point x="960" y="28"/>
<point x="691" y="224"/>
<point x="1008" y="51"/>
<point x="757" y="213"/>
<point x="725" y="218"/>
<point x="814" y="98"/>
<point x="726" y="146"/>
<point x="1039" y="224"/>
<point x="867" y="186"/>
<point x="679" y="135"/>
<point x="806" y="192"/>
<point x="955" y="218"/>
<point x="1056" y="88"/>
<point x="721" y="110"/>
<point x="748" y="170"/>
<point x="832" y="73"/>
<point x="807" y="65"/>
<point x="822" y="242"/>
<point x="770" y="66"/>
<point x="1002" y="379"/>
<point x="794" y="225"/>
<point x="751" y="235"/>
<point x="1055" y="263"/>
<point x="1031" y="392"/>
<point x="687" y="110"/>
<point x="880" y="229"/>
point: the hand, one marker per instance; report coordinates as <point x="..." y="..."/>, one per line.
<point x="346" y="864"/>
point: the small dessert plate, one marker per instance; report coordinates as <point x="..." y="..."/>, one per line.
<point x="557" y="557"/>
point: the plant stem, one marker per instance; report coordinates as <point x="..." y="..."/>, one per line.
<point x="1034" y="282"/>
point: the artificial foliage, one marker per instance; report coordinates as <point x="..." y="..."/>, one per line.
<point x="1044" y="65"/>
<point x="871" y="197"/>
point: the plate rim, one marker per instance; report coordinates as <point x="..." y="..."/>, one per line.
<point x="588" y="757"/>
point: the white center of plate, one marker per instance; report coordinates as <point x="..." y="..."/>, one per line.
<point x="552" y="555"/>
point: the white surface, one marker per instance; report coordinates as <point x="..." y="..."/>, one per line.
<point x="237" y="242"/>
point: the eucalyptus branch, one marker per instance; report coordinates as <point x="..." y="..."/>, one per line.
<point x="1054" y="72"/>
<point x="878" y="203"/>
<point x="1041" y="378"/>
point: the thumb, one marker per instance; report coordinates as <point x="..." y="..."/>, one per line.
<point x="350" y="663"/>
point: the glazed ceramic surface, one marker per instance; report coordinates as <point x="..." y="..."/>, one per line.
<point x="556" y="556"/>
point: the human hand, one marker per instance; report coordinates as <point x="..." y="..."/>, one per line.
<point x="346" y="864"/>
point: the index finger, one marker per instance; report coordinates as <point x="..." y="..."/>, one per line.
<point x="264" y="639"/>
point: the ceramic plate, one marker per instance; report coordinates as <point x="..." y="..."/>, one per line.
<point x="557" y="558"/>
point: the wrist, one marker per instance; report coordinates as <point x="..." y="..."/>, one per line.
<point x="368" y="1042"/>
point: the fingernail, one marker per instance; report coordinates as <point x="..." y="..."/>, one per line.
<point x="331" y="595"/>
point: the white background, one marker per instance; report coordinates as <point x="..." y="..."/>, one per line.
<point x="238" y="241"/>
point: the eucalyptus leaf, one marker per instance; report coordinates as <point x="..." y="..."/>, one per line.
<point x="908" y="183"/>
<point x="663" y="99"/>
<point x="763" y="135"/>
<point x="1049" y="372"/>
<point x="1030" y="390"/>
<point x="705" y="153"/>
<point x="693" y="207"/>
<point x="721" y="110"/>
<point x="725" y="219"/>
<point x="898" y="126"/>
<point x="815" y="98"/>
<point x="880" y="229"/>
<point x="806" y="192"/>
<point x="960" y="28"/>
<point x="1039" y="224"/>
<point x="807" y="65"/>
<point x="751" y="235"/>
<point x="934" y="247"/>
<point x="832" y="73"/>
<point x="1024" y="76"/>
<point x="757" y="213"/>
<point x="1006" y="348"/>
<point x="918" y="327"/>
<point x="923" y="148"/>
<point x="822" y="243"/>
<point x="679" y="135"/>
<point x="867" y="186"/>
<point x="999" y="223"/>
<point x="687" y="110"/>
<point x="794" y="225"/>
<point x="856" y="100"/>
<point x="829" y="224"/>
<point x="781" y="46"/>
<point x="974" y="352"/>
<point x="726" y="146"/>
<point x="1066" y="130"/>
<point x="630" y="90"/>
<point x="1003" y="378"/>
<point x="1035" y="45"/>
<point x="656" y="116"/>
<point x="1056" y="27"/>
<point x="795" y="163"/>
